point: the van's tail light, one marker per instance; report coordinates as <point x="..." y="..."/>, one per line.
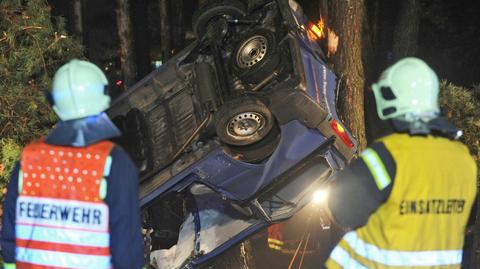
<point x="315" y="32"/>
<point x="341" y="133"/>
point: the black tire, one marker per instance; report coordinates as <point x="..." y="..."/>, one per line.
<point x="256" y="152"/>
<point x="243" y="121"/>
<point x="213" y="9"/>
<point x="256" y="56"/>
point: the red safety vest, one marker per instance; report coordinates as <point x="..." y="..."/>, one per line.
<point x="61" y="220"/>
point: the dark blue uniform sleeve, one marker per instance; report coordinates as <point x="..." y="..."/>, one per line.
<point x="122" y="199"/>
<point x="354" y="195"/>
<point x="8" y="222"/>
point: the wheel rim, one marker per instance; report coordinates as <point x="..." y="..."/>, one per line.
<point x="252" y="51"/>
<point x="244" y="125"/>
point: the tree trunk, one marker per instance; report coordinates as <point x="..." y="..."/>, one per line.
<point x="374" y="61"/>
<point x="405" y="39"/>
<point x="165" y="31"/>
<point x="323" y="7"/>
<point x="346" y="19"/>
<point x="141" y="33"/>
<point x="375" y="22"/>
<point x="124" y="27"/>
<point x="78" y="19"/>
<point x="177" y="29"/>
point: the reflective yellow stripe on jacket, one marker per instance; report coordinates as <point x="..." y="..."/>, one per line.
<point x="275" y="244"/>
<point x="353" y="252"/>
<point x="422" y="223"/>
<point x="9" y="266"/>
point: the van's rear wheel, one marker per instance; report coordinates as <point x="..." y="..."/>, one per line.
<point x="248" y="129"/>
<point x="243" y="121"/>
<point x="259" y="151"/>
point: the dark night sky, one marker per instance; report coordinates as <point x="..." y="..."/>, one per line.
<point x="452" y="44"/>
<point x="449" y="37"/>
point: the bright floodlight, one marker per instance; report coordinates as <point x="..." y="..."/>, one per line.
<point x="320" y="196"/>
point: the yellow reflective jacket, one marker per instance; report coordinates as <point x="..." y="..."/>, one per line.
<point x="422" y="223"/>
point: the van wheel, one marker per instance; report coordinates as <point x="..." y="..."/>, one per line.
<point x="256" y="152"/>
<point x="213" y="11"/>
<point x="243" y="121"/>
<point x="256" y="56"/>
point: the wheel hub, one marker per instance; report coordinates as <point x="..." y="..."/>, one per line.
<point x="252" y="51"/>
<point x="245" y="124"/>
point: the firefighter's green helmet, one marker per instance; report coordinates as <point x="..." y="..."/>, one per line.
<point x="407" y="90"/>
<point x="79" y="90"/>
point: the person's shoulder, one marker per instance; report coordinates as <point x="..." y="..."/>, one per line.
<point x="118" y="150"/>
<point x="464" y="153"/>
<point x="380" y="147"/>
<point x="393" y="137"/>
<point x="120" y="157"/>
<point x="379" y="161"/>
<point x="460" y="146"/>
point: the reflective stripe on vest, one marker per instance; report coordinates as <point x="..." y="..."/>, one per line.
<point x="275" y="236"/>
<point x="275" y="241"/>
<point x="61" y="220"/>
<point x="275" y="247"/>
<point x="64" y="260"/>
<point x="9" y="266"/>
<point x="376" y="167"/>
<point x="422" y="223"/>
<point x="275" y="244"/>
<point x="62" y="236"/>
<point x="395" y="258"/>
<point x="340" y="256"/>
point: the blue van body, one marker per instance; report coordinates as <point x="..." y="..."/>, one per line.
<point x="255" y="195"/>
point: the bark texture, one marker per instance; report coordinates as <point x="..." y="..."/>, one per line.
<point x="375" y="22"/>
<point x="142" y="37"/>
<point x="124" y="27"/>
<point x="405" y="38"/>
<point x="177" y="27"/>
<point x="78" y="19"/>
<point x="165" y="30"/>
<point x="346" y="19"/>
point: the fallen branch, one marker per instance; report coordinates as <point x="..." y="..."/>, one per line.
<point x="33" y="27"/>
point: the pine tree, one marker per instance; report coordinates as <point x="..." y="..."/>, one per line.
<point x="33" y="44"/>
<point x="463" y="109"/>
<point x="347" y="19"/>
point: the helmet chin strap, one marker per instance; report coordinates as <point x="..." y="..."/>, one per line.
<point x="434" y="126"/>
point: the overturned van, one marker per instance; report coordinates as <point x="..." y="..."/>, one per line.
<point x="233" y="133"/>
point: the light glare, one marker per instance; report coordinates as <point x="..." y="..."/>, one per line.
<point x="320" y="196"/>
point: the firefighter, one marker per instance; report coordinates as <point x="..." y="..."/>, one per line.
<point x="275" y="237"/>
<point x="408" y="197"/>
<point x="72" y="200"/>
